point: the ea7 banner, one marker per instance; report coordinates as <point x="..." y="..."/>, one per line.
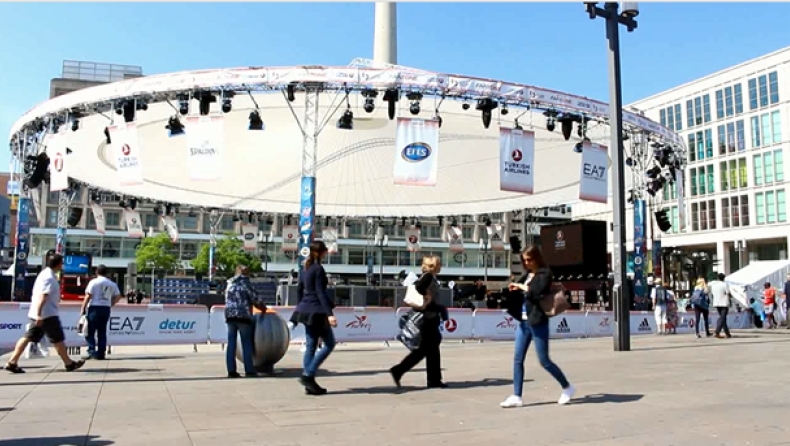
<point x="290" y="238"/>
<point x="455" y="239"/>
<point x="412" y="239"/>
<point x="594" y="184"/>
<point x="329" y="236"/>
<point x="205" y="140"/>
<point x="249" y="236"/>
<point x="126" y="151"/>
<point x="98" y="217"/>
<point x="416" y="152"/>
<point x="58" y="172"/>
<point x="516" y="157"/>
<point x="171" y="227"/>
<point x="133" y="224"/>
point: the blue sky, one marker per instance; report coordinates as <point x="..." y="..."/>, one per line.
<point x="552" y="45"/>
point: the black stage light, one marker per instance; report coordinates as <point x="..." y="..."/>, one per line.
<point x="290" y="92"/>
<point x="256" y="123"/>
<point x="39" y="166"/>
<point x="132" y="203"/>
<point x="227" y="98"/>
<point x="174" y="127"/>
<point x="663" y="220"/>
<point x="346" y="122"/>
<point x="75" y="125"/>
<point x="128" y="111"/>
<point x="486" y="105"/>
<point x="107" y="135"/>
<point x="206" y="99"/>
<point x="141" y="104"/>
<point x="415" y="98"/>
<point x="465" y="106"/>
<point x="504" y="111"/>
<point x="391" y="96"/>
<point x="551" y="119"/>
<point x="370" y="99"/>
<point x="183" y="104"/>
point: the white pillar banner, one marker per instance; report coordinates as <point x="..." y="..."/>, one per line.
<point x="594" y="184"/>
<point x="98" y="217"/>
<point x="249" y="234"/>
<point x="416" y="152"/>
<point x="495" y="237"/>
<point x="290" y="238"/>
<point x="134" y="226"/>
<point x="412" y="239"/>
<point x="171" y="227"/>
<point x="205" y="140"/>
<point x="58" y="168"/>
<point x="679" y="182"/>
<point x="455" y="238"/>
<point x="126" y="150"/>
<point x="329" y="236"/>
<point x="516" y="158"/>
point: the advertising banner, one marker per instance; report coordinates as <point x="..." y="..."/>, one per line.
<point x="126" y="148"/>
<point x="455" y="238"/>
<point x="205" y="139"/>
<point x="495" y="236"/>
<point x="169" y="222"/>
<point x="134" y="225"/>
<point x="412" y="239"/>
<point x="22" y="248"/>
<point x="306" y="218"/>
<point x="58" y="166"/>
<point x="98" y="217"/>
<point x="290" y="238"/>
<point x="679" y="184"/>
<point x="416" y="152"/>
<point x="640" y="256"/>
<point x="249" y="235"/>
<point x="594" y="185"/>
<point x="329" y="236"/>
<point x="516" y="159"/>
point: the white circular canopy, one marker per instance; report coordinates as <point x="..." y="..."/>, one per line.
<point x="262" y="169"/>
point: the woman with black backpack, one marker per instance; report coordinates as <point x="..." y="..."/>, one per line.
<point x="700" y="300"/>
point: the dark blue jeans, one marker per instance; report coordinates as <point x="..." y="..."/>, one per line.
<point x="245" y="331"/>
<point x="97" y="317"/>
<point x="524" y="336"/>
<point x="312" y="360"/>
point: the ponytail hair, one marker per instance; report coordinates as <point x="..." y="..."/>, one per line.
<point x="317" y="249"/>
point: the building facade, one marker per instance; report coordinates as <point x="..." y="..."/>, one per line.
<point x="736" y="124"/>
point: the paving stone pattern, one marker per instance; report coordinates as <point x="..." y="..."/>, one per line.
<point x="670" y="390"/>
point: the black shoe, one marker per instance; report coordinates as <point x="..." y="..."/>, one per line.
<point x="698" y="336"/>
<point x="75" y="365"/>
<point x="439" y="385"/>
<point x="14" y="368"/>
<point x="252" y="375"/>
<point x="234" y="375"/>
<point x="310" y="386"/>
<point x="395" y="377"/>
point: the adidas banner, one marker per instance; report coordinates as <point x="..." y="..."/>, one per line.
<point x="594" y="184"/>
<point x="416" y="152"/>
<point x="567" y="326"/>
<point x="516" y="156"/>
<point x="495" y="237"/>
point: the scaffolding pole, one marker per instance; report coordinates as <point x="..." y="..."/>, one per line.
<point x="310" y="132"/>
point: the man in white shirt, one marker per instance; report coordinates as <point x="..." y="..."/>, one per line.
<point x="660" y="297"/>
<point x="100" y="295"/>
<point x="45" y="319"/>
<point x="720" y="292"/>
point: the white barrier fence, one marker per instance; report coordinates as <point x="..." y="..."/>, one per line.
<point x="188" y="324"/>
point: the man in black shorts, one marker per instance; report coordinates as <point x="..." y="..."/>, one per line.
<point x="45" y="319"/>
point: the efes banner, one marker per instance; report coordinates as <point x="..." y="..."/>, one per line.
<point x="417" y="152"/>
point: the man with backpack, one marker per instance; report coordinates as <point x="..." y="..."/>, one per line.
<point x="661" y="297"/>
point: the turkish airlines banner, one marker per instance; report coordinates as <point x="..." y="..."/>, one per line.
<point x="412" y="239"/>
<point x="495" y="237"/>
<point x="455" y="239"/>
<point x="126" y="151"/>
<point x="516" y="155"/>
<point x="249" y="235"/>
<point x="134" y="226"/>
<point x="98" y="217"/>
<point x="290" y="238"/>
<point x="205" y="145"/>
<point x="329" y="236"/>
<point x="416" y="152"/>
<point x="594" y="184"/>
<point x="58" y="172"/>
<point x="171" y="227"/>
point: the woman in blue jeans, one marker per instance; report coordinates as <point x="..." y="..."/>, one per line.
<point x="314" y="310"/>
<point x="533" y="325"/>
<point x="240" y="297"/>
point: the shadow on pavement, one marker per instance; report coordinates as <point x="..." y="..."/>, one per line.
<point x="75" y="440"/>
<point x="713" y="342"/>
<point x="6" y="409"/>
<point x="598" y="398"/>
<point x="391" y="389"/>
<point x="118" y="370"/>
<point x="110" y="381"/>
<point x="144" y="358"/>
<point x="295" y="372"/>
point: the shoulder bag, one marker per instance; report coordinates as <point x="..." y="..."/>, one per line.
<point x="554" y="302"/>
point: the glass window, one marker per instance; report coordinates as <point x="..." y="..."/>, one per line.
<point x="768" y="166"/>
<point x="53" y="197"/>
<point x="227" y="223"/>
<point x="740" y="135"/>
<point x="765" y="128"/>
<point x="711" y="180"/>
<point x="733" y="172"/>
<point x="693" y="182"/>
<point x="759" y="200"/>
<point x="678" y="118"/>
<point x="700" y="147"/>
<point x="52" y="217"/>
<point x="743" y="177"/>
<point x="744" y="210"/>
<point x="712" y="214"/>
<point x="187" y="223"/>
<point x="722" y="138"/>
<point x="762" y="83"/>
<point x="776" y="124"/>
<point x="356" y="256"/>
<point x="779" y="166"/>
<point x="752" y="94"/>
<point x="723" y="176"/>
<point x="730" y="137"/>
<point x="728" y="102"/>
<point x="150" y="220"/>
<point x="781" y="206"/>
<point x="725" y="212"/>
<point x="389" y="257"/>
<point x="709" y="143"/>
<point x="770" y="207"/>
<point x="698" y="110"/>
<point x="735" y="212"/>
<point x="738" y="99"/>
<point x="719" y="104"/>
<point x="773" y="87"/>
<point x="663" y="116"/>
<point x="694" y="217"/>
<point x="758" y="170"/>
<point x="112" y="218"/>
<point x="675" y="220"/>
<point x="692" y="144"/>
<point x="701" y="181"/>
<point x="706" y="107"/>
<point x="703" y="216"/>
<point x="689" y="114"/>
<point x="755" y="132"/>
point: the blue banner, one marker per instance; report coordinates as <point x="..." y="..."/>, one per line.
<point x="657" y="272"/>
<point x="22" y="248"/>
<point x="306" y="218"/>
<point x="640" y="255"/>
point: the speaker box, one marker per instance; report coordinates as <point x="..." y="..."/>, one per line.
<point x="75" y="215"/>
<point x="515" y="244"/>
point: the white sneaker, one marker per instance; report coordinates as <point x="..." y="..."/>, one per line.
<point x="567" y="394"/>
<point x="511" y="401"/>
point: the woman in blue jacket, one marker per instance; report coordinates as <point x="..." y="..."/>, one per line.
<point x="314" y="310"/>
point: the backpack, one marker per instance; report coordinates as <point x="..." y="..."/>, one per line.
<point x="699" y="299"/>
<point x="661" y="296"/>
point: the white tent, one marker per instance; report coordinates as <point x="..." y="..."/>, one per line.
<point x="749" y="281"/>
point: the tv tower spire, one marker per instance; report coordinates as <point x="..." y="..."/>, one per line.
<point x="385" y="33"/>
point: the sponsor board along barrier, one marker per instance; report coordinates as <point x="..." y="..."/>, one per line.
<point x="158" y="324"/>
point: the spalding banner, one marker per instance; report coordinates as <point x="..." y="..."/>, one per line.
<point x="248" y="235"/>
<point x="416" y="152"/>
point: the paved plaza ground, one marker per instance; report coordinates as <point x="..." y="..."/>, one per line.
<point x="673" y="390"/>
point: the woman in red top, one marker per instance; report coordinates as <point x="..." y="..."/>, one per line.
<point x="769" y="295"/>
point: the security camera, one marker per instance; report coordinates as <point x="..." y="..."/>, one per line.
<point x="630" y="9"/>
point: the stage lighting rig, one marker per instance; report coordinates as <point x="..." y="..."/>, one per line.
<point x="183" y="104"/>
<point x="415" y="98"/>
<point x="227" y="101"/>
<point x="504" y="111"/>
<point x="579" y="147"/>
<point x="75" y="121"/>
<point x="653" y="172"/>
<point x="127" y="109"/>
<point x="485" y="106"/>
<point x="290" y="92"/>
<point x="174" y="127"/>
<point x="141" y="104"/>
<point x="107" y="135"/>
<point x="370" y="99"/>
<point x="346" y="122"/>
<point x="391" y="96"/>
<point x="256" y="123"/>
<point x="205" y="99"/>
<point x="465" y="106"/>
<point x="551" y="119"/>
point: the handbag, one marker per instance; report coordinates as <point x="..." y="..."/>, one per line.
<point x="411" y="329"/>
<point x="413" y="297"/>
<point x="554" y="302"/>
<point x="82" y="326"/>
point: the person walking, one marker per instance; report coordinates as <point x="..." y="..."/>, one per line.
<point x="661" y="298"/>
<point x="240" y="298"/>
<point x="533" y="324"/>
<point x="700" y="299"/>
<point x="430" y="334"/>
<point x="101" y="294"/>
<point x="45" y="318"/>
<point x="769" y="300"/>
<point x="786" y="295"/>
<point x="314" y="310"/>
<point x="720" y="293"/>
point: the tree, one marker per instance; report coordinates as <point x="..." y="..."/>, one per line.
<point x="228" y="254"/>
<point x="156" y="252"/>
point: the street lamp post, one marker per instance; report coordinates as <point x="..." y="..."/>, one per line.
<point x="264" y="238"/>
<point x="610" y="12"/>
<point x="484" y="246"/>
<point x="381" y="241"/>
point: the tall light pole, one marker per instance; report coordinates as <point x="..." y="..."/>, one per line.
<point x="610" y="12"/>
<point x="485" y="247"/>
<point x="381" y="241"/>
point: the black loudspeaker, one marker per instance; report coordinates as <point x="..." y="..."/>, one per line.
<point x="662" y="219"/>
<point x="515" y="244"/>
<point x="75" y="215"/>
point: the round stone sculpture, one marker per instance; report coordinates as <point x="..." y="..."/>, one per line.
<point x="271" y="338"/>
